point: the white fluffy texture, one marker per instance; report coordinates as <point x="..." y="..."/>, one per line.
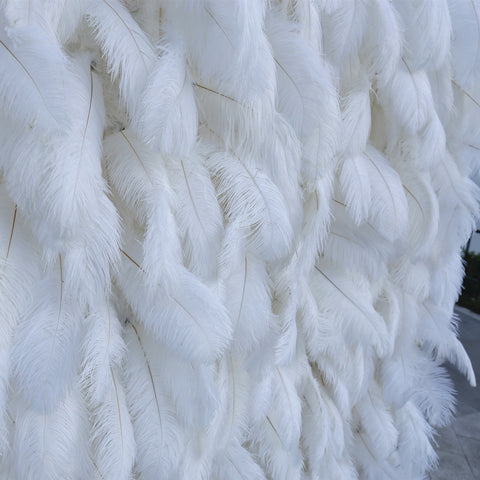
<point x="36" y="76"/>
<point x="168" y="118"/>
<point x="230" y="235"/>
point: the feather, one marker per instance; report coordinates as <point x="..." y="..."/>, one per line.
<point x="438" y="334"/>
<point x="304" y="88"/>
<point x="355" y="184"/>
<point x="281" y="156"/>
<point x="284" y="305"/>
<point x="383" y="43"/>
<point x="360" y="323"/>
<point x="415" y="436"/>
<point x="355" y="107"/>
<point x="53" y="444"/>
<point x="389" y="208"/>
<point x="158" y="435"/>
<point x="409" y="97"/>
<point x="250" y="196"/>
<point x="427" y="32"/>
<point x="59" y="16"/>
<point x="422" y="211"/>
<point x="344" y="30"/>
<point x="247" y="290"/>
<point x="316" y="222"/>
<point x="377" y="430"/>
<point x="199" y="216"/>
<point x="233" y="42"/>
<point x="230" y="423"/>
<point x="236" y="463"/>
<point x="19" y="268"/>
<point x="322" y="427"/>
<point x="61" y="191"/>
<point x="278" y="461"/>
<point x="129" y="54"/>
<point x="36" y="80"/>
<point x="112" y="436"/>
<point x="168" y="118"/>
<point x="102" y="350"/>
<point x="186" y="317"/>
<point x="45" y="353"/>
<point x="465" y="17"/>
<point x="138" y="176"/>
<point x="231" y="65"/>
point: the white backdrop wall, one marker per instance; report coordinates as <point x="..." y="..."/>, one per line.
<point x="230" y="235"/>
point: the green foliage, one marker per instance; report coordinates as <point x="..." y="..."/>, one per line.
<point x="470" y="296"/>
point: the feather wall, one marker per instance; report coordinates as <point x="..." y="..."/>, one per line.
<point x="230" y="235"/>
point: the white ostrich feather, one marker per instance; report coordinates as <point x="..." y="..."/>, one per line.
<point x="199" y="215"/>
<point x="129" y="54"/>
<point x="189" y="320"/>
<point x="348" y="19"/>
<point x="168" y="116"/>
<point x="246" y="193"/>
<point x="230" y="235"/>
<point x="112" y="433"/>
<point x="158" y="435"/>
<point x="35" y="79"/>
<point x="382" y="57"/>
<point x="55" y="443"/>
<point x="45" y="355"/>
<point x="426" y="23"/>
<point x="465" y="17"/>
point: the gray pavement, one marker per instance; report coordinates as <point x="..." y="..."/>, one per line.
<point x="459" y="444"/>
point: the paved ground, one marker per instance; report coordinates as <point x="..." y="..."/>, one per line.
<point x="459" y="444"/>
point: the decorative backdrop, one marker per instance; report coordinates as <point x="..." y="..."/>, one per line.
<point x="230" y="235"/>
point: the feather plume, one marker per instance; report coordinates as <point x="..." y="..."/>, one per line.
<point x="59" y="16"/>
<point x="247" y="291"/>
<point x="465" y="17"/>
<point x="54" y="444"/>
<point x="360" y="322"/>
<point x="102" y="350"/>
<point x="187" y="318"/>
<point x="427" y="32"/>
<point x="246" y="193"/>
<point x="158" y="435"/>
<point x="129" y="54"/>
<point x="381" y="57"/>
<point x="199" y="216"/>
<point x="139" y="178"/>
<point x="168" y="118"/>
<point x="112" y="433"/>
<point x="19" y="269"/>
<point x="345" y="28"/>
<point x="410" y="97"/>
<point x="45" y="354"/>
<point x="303" y="85"/>
<point x="36" y="80"/>
<point x="355" y="108"/>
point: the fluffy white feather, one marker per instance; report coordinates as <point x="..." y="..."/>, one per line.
<point x="112" y="436"/>
<point x="303" y="85"/>
<point x="188" y="318"/>
<point x="36" y="80"/>
<point x="246" y="193"/>
<point x="45" y="355"/>
<point x="198" y="215"/>
<point x="129" y="54"/>
<point x="465" y="17"/>
<point x="158" y="435"/>
<point x="427" y="32"/>
<point x="54" y="444"/>
<point x="168" y="118"/>
<point x="345" y="28"/>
